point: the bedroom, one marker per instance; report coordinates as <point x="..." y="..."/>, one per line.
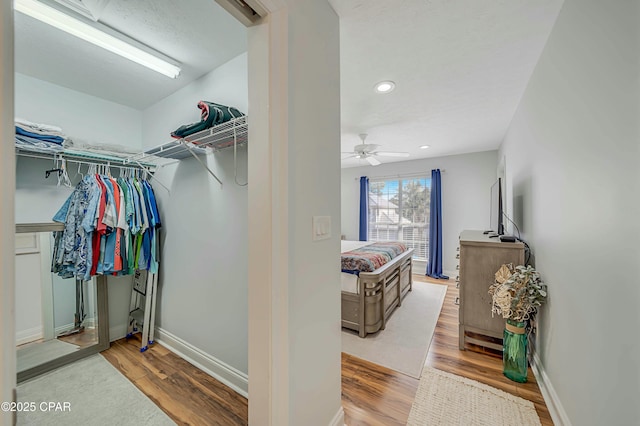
<point x="537" y="154"/>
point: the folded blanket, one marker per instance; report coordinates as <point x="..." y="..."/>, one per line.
<point x="371" y="257"/>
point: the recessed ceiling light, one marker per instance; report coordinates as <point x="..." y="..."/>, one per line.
<point x="424" y="146"/>
<point x="385" y="86"/>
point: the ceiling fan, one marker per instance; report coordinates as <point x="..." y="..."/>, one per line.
<point x="367" y="151"/>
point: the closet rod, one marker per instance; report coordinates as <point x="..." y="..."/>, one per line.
<point x="99" y="162"/>
<point x="74" y="159"/>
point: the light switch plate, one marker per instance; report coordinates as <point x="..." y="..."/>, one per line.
<point x="321" y="229"/>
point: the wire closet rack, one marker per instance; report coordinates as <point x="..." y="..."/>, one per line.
<point x="232" y="133"/>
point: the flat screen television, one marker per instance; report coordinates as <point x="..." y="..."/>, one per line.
<point x="496" y="208"/>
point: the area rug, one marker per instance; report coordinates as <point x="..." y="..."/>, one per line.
<point x="37" y="353"/>
<point x="447" y="399"/>
<point x="404" y="343"/>
<point x="96" y="393"/>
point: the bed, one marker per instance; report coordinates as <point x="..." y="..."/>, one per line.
<point x="370" y="296"/>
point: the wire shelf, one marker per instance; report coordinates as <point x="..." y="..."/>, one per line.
<point x="78" y="156"/>
<point x="221" y="136"/>
<point x="204" y="142"/>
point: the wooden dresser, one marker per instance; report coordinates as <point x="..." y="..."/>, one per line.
<point x="479" y="258"/>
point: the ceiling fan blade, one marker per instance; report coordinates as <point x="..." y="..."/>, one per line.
<point x="350" y="156"/>
<point x="391" y="154"/>
<point x="373" y="161"/>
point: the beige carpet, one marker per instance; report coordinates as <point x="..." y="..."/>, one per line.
<point x="97" y="394"/>
<point x="404" y="343"/>
<point x="446" y="399"/>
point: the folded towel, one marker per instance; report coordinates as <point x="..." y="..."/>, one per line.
<point x="38" y="127"/>
<point x="44" y="137"/>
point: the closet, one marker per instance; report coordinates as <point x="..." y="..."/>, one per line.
<point x="294" y="175"/>
<point x="117" y="118"/>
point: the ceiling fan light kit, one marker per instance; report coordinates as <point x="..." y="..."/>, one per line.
<point x="95" y="35"/>
<point x="367" y="151"/>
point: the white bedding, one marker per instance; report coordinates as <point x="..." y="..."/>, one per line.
<point x="350" y="281"/>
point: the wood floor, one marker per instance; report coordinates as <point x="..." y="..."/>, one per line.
<point x="374" y="395"/>
<point x="188" y="395"/>
<point x="371" y="394"/>
<point x="87" y="337"/>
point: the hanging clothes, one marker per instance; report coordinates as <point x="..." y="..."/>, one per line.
<point x="110" y="228"/>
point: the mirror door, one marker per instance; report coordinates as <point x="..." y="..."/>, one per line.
<point x="58" y="320"/>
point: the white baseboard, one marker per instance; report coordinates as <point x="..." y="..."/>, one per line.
<point x="29" y="335"/>
<point x="117" y="332"/>
<point x="62" y="329"/>
<point x="420" y="268"/>
<point x="230" y="376"/>
<point x="338" y="419"/>
<point x="556" y="410"/>
<point x="88" y="323"/>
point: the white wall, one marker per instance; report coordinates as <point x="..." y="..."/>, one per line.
<point x="466" y="190"/>
<point x="294" y="166"/>
<point x="225" y="85"/>
<point x="82" y="117"/>
<point x="572" y="169"/>
<point x="313" y="185"/>
<point x="203" y="277"/>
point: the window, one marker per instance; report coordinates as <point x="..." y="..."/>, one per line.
<point x="399" y="211"/>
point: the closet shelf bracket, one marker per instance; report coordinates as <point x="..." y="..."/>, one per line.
<point x="186" y="145"/>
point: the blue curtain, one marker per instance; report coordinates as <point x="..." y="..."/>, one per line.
<point x="434" y="266"/>
<point x="364" y="207"/>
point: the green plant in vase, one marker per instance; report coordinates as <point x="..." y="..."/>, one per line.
<point x="517" y="294"/>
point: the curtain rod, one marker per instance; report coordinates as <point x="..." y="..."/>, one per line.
<point x="410" y="175"/>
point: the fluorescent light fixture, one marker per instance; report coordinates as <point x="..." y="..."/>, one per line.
<point x="75" y="27"/>
<point x="385" y="86"/>
<point x="424" y="147"/>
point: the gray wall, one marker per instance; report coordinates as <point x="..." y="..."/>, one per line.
<point x="203" y="276"/>
<point x="572" y="172"/>
<point x="466" y="190"/>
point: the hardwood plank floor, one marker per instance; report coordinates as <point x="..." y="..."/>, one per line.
<point x="371" y="394"/>
<point x="188" y="395"/>
<point x="391" y="401"/>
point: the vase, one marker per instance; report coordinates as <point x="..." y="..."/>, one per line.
<point x="514" y="353"/>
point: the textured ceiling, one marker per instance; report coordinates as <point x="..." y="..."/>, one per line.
<point x="460" y="66"/>
<point x="199" y="34"/>
<point x="460" y="69"/>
